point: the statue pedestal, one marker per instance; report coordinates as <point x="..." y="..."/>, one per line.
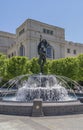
<point x="37" y="108"/>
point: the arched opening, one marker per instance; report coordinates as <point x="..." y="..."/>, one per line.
<point x="22" y="50"/>
<point x="49" y="52"/>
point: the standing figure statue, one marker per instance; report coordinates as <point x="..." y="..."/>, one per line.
<point x="42" y="53"/>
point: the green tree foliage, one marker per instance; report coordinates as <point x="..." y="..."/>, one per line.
<point x="80" y="60"/>
<point x="17" y="65"/>
<point x="3" y="68"/>
<point x="66" y="67"/>
<point x="35" y="68"/>
<point x="47" y="67"/>
<point x="2" y="65"/>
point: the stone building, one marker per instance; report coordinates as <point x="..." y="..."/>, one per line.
<point x="27" y="38"/>
<point x="6" y="40"/>
<point x="73" y="49"/>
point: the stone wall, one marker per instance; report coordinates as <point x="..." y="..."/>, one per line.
<point x="48" y="109"/>
<point x="11" y="108"/>
<point x="6" y="40"/>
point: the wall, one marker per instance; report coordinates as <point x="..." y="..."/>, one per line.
<point x="73" y="47"/>
<point x="6" y="40"/>
<point x="31" y="37"/>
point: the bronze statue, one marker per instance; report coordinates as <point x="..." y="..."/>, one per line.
<point x="42" y="53"/>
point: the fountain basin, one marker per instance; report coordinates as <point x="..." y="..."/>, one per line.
<point x="48" y="109"/>
<point x="54" y="91"/>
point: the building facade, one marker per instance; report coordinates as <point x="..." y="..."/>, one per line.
<point x="28" y="35"/>
<point x="6" y="40"/>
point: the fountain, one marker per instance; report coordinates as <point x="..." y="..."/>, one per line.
<point x="49" y="88"/>
<point x="39" y="95"/>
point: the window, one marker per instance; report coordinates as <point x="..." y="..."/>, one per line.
<point x="74" y="51"/>
<point x="21" y="32"/>
<point x="68" y="50"/>
<point x="12" y="54"/>
<point x="22" y="50"/>
<point x="49" y="52"/>
<point x="47" y="31"/>
<point x="44" y="30"/>
<point x="51" y="32"/>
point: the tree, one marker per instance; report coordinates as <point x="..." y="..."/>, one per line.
<point x="17" y="66"/>
<point x="66" y="67"/>
<point x="80" y="61"/>
<point x="47" y="67"/>
<point x="35" y="68"/>
<point x="2" y="65"/>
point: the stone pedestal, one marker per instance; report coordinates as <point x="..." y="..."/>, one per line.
<point x="37" y="108"/>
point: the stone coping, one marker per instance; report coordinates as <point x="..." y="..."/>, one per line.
<point x="15" y="103"/>
<point x="40" y="109"/>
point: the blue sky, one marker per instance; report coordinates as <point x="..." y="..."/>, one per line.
<point x="67" y="14"/>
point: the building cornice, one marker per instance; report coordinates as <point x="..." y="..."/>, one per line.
<point x="7" y="34"/>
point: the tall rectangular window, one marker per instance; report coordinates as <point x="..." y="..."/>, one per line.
<point x="51" y="32"/>
<point x="74" y="51"/>
<point x="49" y="52"/>
<point x="44" y="30"/>
<point x="48" y="31"/>
<point x="68" y="50"/>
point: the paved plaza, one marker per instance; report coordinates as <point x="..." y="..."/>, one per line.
<point x="68" y="122"/>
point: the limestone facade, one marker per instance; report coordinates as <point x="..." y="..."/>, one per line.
<point x="28" y="37"/>
<point x="6" y="40"/>
<point x="73" y="49"/>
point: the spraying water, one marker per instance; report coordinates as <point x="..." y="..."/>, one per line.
<point x="50" y="88"/>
